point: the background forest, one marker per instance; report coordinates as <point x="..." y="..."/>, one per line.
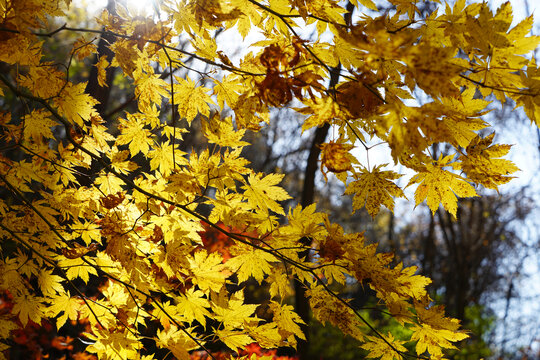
<point x="483" y="263"/>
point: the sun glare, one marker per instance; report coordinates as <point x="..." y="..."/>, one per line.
<point x="142" y="7"/>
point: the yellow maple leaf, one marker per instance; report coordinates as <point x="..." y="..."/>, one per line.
<point x="125" y="55"/>
<point x="49" y="283"/>
<point x="74" y="104"/>
<point x="177" y="342"/>
<point x="262" y="192"/>
<point x="481" y="163"/>
<point x="320" y="111"/>
<point x="234" y="339"/>
<point x="411" y="284"/>
<point x="120" y="162"/>
<point x="43" y="81"/>
<point x="373" y="189"/>
<point x="435" y="331"/>
<point x="116" y="294"/>
<point x="254" y="263"/>
<point x="531" y="104"/>
<point x="133" y="133"/>
<point x="114" y="344"/>
<point x="205" y="47"/>
<point x="7" y="324"/>
<point x="280" y="284"/>
<point x="440" y="186"/>
<point x="335" y="156"/>
<point x="3" y="349"/>
<point x="207" y="270"/>
<point x="191" y="99"/>
<point x="164" y="312"/>
<point x="77" y="268"/>
<point x="234" y="313"/>
<point x="102" y="65"/>
<point x="286" y="319"/>
<point x="149" y="89"/>
<point x="161" y="158"/>
<point x="367" y="3"/>
<point x="243" y="25"/>
<point x="83" y="48"/>
<point x="433" y="340"/>
<point x="266" y="335"/>
<point x="21" y="50"/>
<point x="38" y="125"/>
<point x="221" y="132"/>
<point x="193" y="306"/>
<point x="64" y="303"/>
<point x="28" y="307"/>
<point x="378" y="347"/>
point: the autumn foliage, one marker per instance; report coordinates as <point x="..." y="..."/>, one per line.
<point x="107" y="221"/>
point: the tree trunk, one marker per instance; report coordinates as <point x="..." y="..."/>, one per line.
<point x="308" y="193"/>
<point x="93" y="88"/>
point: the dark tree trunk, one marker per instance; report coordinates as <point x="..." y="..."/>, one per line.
<point x="93" y="88"/>
<point x="308" y="194"/>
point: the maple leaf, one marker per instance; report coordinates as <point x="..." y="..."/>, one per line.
<point x="102" y="65"/>
<point x="120" y="162"/>
<point x="149" y="90"/>
<point x="234" y="313"/>
<point x="440" y="186"/>
<point x="262" y="192"/>
<point x="176" y="341"/>
<point x="336" y="158"/>
<point x="77" y="268"/>
<point x="411" y="284"/>
<point x="115" y="294"/>
<point x="435" y="331"/>
<point x="378" y="347"/>
<point x="164" y="312"/>
<point x="114" y="344"/>
<point x="38" y="124"/>
<point x="266" y="335"/>
<point x="6" y="326"/>
<point x="3" y="349"/>
<point x="75" y="104"/>
<point x="83" y="48"/>
<point x="234" y="339"/>
<point x="207" y="270"/>
<point x="205" y="47"/>
<point x="321" y="111"/>
<point x="191" y="99"/>
<point x="286" y="319"/>
<point x="50" y="284"/>
<point x="482" y="166"/>
<point x="254" y="263"/>
<point x="460" y="117"/>
<point x="29" y="308"/>
<point x="243" y="25"/>
<point x="133" y="133"/>
<point x="432" y="340"/>
<point x="280" y="284"/>
<point x="19" y="49"/>
<point x="221" y="132"/>
<point x="193" y="306"/>
<point x="64" y="303"/>
<point x="373" y="189"/>
<point x="161" y="158"/>
<point x="367" y="3"/>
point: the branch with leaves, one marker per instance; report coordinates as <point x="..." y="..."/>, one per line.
<point x="133" y="233"/>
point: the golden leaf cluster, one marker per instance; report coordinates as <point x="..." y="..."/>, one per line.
<point x="92" y="197"/>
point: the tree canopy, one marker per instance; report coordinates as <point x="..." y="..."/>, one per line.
<point x="103" y="212"/>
